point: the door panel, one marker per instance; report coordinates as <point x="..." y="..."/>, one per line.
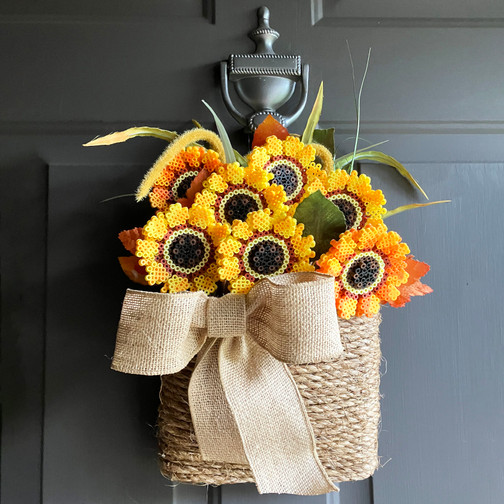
<point x="91" y="453"/>
<point x="74" y="431"/>
<point x="426" y="14"/>
<point x="442" y="411"/>
<point x="23" y="323"/>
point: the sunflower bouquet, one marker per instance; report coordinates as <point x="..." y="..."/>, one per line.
<point x="222" y="226"/>
<point x="283" y="257"/>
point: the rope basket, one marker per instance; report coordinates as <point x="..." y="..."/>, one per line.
<point x="341" y="397"/>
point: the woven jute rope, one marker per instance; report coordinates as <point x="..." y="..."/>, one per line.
<point x="341" y="397"/>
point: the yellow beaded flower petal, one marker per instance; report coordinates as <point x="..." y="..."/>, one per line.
<point x="353" y="195"/>
<point x="265" y="245"/>
<point x="232" y="194"/>
<point x="368" y="266"/>
<point x="291" y="163"/>
<point x="177" y="176"/>
<point x="178" y="249"/>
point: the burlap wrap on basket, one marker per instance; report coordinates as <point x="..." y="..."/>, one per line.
<point x="249" y="417"/>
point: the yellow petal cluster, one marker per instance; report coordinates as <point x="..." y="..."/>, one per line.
<point x="178" y="249"/>
<point x="368" y="265"/>
<point x="265" y="239"/>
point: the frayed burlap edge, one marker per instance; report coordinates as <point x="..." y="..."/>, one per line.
<point x="341" y="397"/>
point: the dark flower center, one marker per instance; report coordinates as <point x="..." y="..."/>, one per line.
<point x="349" y="211"/>
<point x="363" y="272"/>
<point x="181" y="190"/>
<point x="285" y="176"/>
<point x="239" y="206"/>
<point x="266" y="257"/>
<point x="185" y="251"/>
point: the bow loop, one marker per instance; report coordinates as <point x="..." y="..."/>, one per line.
<point x="294" y="317"/>
<point x="142" y="345"/>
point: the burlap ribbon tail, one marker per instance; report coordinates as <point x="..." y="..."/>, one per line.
<point x="244" y="403"/>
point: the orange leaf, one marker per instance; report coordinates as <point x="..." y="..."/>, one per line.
<point x="413" y="287"/>
<point x="195" y="187"/>
<point x="416" y="269"/>
<point x="270" y="126"/>
<point x="133" y="270"/>
<point x="129" y="237"/>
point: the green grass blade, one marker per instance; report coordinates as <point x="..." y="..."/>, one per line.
<point x="228" y="149"/>
<point x="369" y="147"/>
<point x="311" y="124"/>
<point x="358" y="100"/>
<point x="412" y="206"/>
<point x="117" y="197"/>
<point x="123" y="136"/>
<point x="380" y="157"/>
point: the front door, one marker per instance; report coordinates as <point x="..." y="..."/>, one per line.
<point x="73" y="431"/>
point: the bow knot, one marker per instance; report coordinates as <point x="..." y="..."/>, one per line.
<point x="226" y="316"/>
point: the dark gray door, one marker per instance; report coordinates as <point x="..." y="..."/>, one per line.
<point x="75" y="432"/>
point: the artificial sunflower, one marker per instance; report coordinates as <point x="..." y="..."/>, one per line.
<point x="352" y="194"/>
<point x="288" y="160"/>
<point x="369" y="265"/>
<point x="266" y="244"/>
<point x="234" y="192"/>
<point x="178" y="249"/>
<point x="177" y="176"/>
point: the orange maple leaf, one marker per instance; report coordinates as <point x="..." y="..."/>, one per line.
<point x="195" y="187"/>
<point x="133" y="270"/>
<point x="270" y="126"/>
<point x="413" y="287"/>
<point x="129" y="237"/>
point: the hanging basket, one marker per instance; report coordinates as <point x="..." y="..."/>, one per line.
<point x="341" y="398"/>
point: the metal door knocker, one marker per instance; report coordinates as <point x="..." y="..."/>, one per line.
<point x="264" y="80"/>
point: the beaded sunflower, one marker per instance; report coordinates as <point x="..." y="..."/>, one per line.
<point x="234" y="192"/>
<point x="369" y="265"/>
<point x="178" y="249"/>
<point x="264" y="245"/>
<point x="290" y="161"/>
<point x="352" y="194"/>
<point x="177" y="175"/>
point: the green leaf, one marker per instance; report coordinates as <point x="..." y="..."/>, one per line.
<point x="240" y="158"/>
<point x="123" y="136"/>
<point x="228" y="149"/>
<point x="325" y="137"/>
<point x="403" y="208"/>
<point x="381" y="158"/>
<point x="311" y="124"/>
<point x="322" y="219"/>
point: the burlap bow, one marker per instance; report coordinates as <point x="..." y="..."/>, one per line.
<point x="244" y="403"/>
